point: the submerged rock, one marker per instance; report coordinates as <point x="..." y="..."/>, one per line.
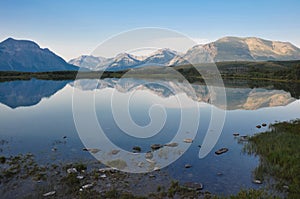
<point x="221" y="151"/>
<point x="193" y="186"/>
<point x="188" y="140"/>
<point x="91" y="150"/>
<point x="244" y="138"/>
<point x="149" y="155"/>
<point x="115" y="152"/>
<point x="136" y="149"/>
<point x="173" y="144"/>
<point x="140" y="164"/>
<point x="51" y="193"/>
<point x="156" y="146"/>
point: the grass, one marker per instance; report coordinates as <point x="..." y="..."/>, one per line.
<point x="279" y="151"/>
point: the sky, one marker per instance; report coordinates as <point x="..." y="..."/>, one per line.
<point x="71" y="28"/>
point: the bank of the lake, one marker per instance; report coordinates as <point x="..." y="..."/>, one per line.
<point x="279" y="152"/>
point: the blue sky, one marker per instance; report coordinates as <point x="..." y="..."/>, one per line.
<point x="71" y="28"/>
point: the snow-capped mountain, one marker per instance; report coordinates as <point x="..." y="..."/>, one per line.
<point x="160" y="57"/>
<point x="239" y="49"/>
<point x="224" y="49"/>
<point x="90" y="62"/>
<point x="125" y="61"/>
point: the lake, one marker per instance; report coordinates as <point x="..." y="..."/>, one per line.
<point x="56" y="120"/>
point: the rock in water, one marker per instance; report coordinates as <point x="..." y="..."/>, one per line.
<point x="194" y="186"/>
<point x="221" y="151"/>
<point x="187" y="166"/>
<point x="173" y="144"/>
<point x="188" y="140"/>
<point x="156" y="146"/>
<point x="136" y="149"/>
<point x="148" y="155"/>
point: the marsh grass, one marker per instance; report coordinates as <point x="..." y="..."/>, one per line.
<point x="279" y="152"/>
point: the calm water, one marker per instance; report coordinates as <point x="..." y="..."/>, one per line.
<point x="37" y="114"/>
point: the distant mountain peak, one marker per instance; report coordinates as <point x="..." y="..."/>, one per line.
<point x="25" y="55"/>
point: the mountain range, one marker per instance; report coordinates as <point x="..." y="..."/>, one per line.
<point x="224" y="49"/>
<point x="23" y="55"/>
<point x="124" y="61"/>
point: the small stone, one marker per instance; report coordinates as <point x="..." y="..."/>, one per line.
<point x="91" y="150"/>
<point x="258" y="126"/>
<point x="103" y="176"/>
<point x="54" y="149"/>
<point x="156" y="168"/>
<point x="149" y="155"/>
<point x="80" y="177"/>
<point x="257" y="181"/>
<point x="173" y="144"/>
<point x="244" y="138"/>
<point x="221" y="151"/>
<point x="115" y="152"/>
<point x="187" y="166"/>
<point x="285" y="187"/>
<point x="72" y="170"/>
<point x="236" y="134"/>
<point x="264" y="124"/>
<point x="193" y="186"/>
<point x="136" y="149"/>
<point x="219" y="174"/>
<point x="156" y="146"/>
<point x="151" y="176"/>
<point x="108" y="169"/>
<point x="140" y="164"/>
<point x="188" y="140"/>
<point x="87" y="186"/>
<point x="51" y="193"/>
<point x="80" y="189"/>
<point x="150" y="161"/>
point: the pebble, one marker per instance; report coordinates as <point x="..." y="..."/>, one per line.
<point x="257" y="182"/>
<point x="173" y="144"/>
<point x="80" y="177"/>
<point x="187" y="166"/>
<point x="156" y="146"/>
<point x="188" y="140"/>
<point x="193" y="186"/>
<point x="115" y="152"/>
<point x="103" y="176"/>
<point x="72" y="170"/>
<point x="87" y="186"/>
<point x="148" y="155"/>
<point x="51" y="193"/>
